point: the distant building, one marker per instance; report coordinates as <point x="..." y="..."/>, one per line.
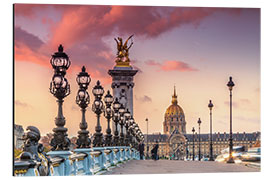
<point x="176" y="144"/>
<point x="18" y="133"/>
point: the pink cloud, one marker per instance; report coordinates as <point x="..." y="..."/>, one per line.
<point x="23" y="52"/>
<point x="81" y="29"/>
<point x="170" y="65"/>
<point x="234" y="104"/>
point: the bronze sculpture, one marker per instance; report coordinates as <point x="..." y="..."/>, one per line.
<point x="123" y="51"/>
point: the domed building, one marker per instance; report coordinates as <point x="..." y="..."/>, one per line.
<point x="174" y="117"/>
<point x="176" y="144"/>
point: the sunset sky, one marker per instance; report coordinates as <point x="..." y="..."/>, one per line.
<point x="195" y="49"/>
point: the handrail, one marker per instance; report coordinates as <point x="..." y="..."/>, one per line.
<point x="87" y="161"/>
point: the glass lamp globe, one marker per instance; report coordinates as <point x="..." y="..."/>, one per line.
<point x="127" y="114"/>
<point x="98" y="89"/>
<point x="122" y="109"/>
<point x="116" y="105"/>
<point x="108" y="99"/>
<point x="60" y="60"/>
<point x="83" y="79"/>
<point x="57" y="81"/>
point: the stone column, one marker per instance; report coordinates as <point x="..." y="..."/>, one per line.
<point x="122" y="78"/>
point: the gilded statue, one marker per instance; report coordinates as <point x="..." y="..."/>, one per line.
<point x="123" y="50"/>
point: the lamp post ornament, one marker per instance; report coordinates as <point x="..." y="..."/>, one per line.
<point x="83" y="99"/>
<point x="60" y="88"/>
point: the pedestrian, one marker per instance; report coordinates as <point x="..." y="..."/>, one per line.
<point x="141" y="150"/>
<point x="154" y="152"/>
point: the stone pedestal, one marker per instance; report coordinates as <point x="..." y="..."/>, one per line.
<point x="122" y="85"/>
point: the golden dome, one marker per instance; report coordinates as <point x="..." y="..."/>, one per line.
<point x="174" y="109"/>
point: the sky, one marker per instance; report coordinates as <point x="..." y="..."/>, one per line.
<point x="195" y="49"/>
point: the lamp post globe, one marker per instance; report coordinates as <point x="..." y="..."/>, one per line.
<point x="98" y="90"/>
<point x="83" y="79"/>
<point x="199" y="122"/>
<point x="230" y="85"/>
<point x="60" y="61"/>
<point x="210" y="106"/>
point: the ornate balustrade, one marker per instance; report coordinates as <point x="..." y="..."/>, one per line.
<point x="85" y="161"/>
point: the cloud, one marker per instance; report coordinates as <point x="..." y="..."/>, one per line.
<point x="144" y="98"/>
<point x="22" y="52"/>
<point x="251" y="120"/>
<point x="234" y="104"/>
<point x="30" y="40"/>
<point x="170" y="65"/>
<point x="244" y="101"/>
<point x="82" y="30"/>
<point x="22" y="104"/>
<point x="241" y="103"/>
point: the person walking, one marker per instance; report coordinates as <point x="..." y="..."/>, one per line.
<point x="141" y="150"/>
<point x="154" y="151"/>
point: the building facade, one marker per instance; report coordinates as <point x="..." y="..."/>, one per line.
<point x="175" y="143"/>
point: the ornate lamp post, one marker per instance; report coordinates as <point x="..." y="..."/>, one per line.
<point x="136" y="135"/>
<point x="131" y="122"/>
<point x="230" y="85"/>
<point x="134" y="127"/>
<point x="127" y="116"/>
<point x="83" y="99"/>
<point x="60" y="88"/>
<point x="97" y="108"/>
<point x="108" y="99"/>
<point x="121" y="122"/>
<point x="193" y="148"/>
<point x="147" y="147"/>
<point x="211" y="158"/>
<point x="116" y="106"/>
<point x="199" y="122"/>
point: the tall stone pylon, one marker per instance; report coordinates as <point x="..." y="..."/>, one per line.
<point x="123" y="75"/>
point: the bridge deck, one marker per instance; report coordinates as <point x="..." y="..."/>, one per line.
<point x="166" y="166"/>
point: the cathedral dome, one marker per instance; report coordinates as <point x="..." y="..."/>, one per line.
<point x="174" y="110"/>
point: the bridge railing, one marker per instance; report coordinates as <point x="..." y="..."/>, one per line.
<point x="88" y="161"/>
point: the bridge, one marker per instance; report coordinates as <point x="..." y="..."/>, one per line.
<point x="79" y="162"/>
<point x="178" y="166"/>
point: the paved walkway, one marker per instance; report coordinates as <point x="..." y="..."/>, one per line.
<point x="166" y="166"/>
